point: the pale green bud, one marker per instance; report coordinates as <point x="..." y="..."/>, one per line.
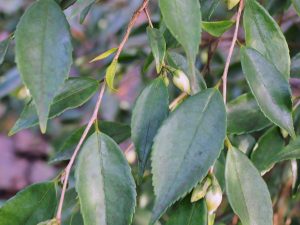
<point x="166" y="81"/>
<point x="181" y="81"/>
<point x="213" y="197"/>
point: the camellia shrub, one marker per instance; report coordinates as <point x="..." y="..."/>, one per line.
<point x="215" y="131"/>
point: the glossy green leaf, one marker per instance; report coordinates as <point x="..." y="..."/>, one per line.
<point x="263" y="34"/>
<point x="183" y="151"/>
<point x="104" y="55"/>
<point x="3" y="48"/>
<point x="110" y="74"/>
<point x="104" y="183"/>
<point x="245" y="116"/>
<point x="71" y="209"/>
<point x="158" y="46"/>
<point x="30" y="206"/>
<point x="247" y="192"/>
<point x="117" y="131"/>
<point x="183" y="19"/>
<point x="268" y="145"/>
<point x="150" y="110"/>
<point x="291" y="151"/>
<point x="217" y="28"/>
<point x="208" y="8"/>
<point x="43" y="53"/>
<point x="296" y="4"/>
<point x="269" y="87"/>
<point x="188" y="213"/>
<point x="75" y="93"/>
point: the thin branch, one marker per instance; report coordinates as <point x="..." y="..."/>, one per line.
<point x="234" y="39"/>
<point x="71" y="162"/>
<point x="130" y="26"/>
<point x="178" y="100"/>
<point x="148" y="16"/>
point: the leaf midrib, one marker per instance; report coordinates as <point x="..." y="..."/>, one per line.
<point x="190" y="144"/>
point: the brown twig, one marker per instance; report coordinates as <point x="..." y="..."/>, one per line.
<point x="234" y="39"/>
<point x="71" y="162"/>
<point x="178" y="100"/>
<point x="130" y="26"/>
<point x="148" y="16"/>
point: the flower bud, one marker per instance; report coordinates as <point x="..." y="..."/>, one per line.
<point x="166" y="81"/>
<point x="232" y="3"/>
<point x="213" y="197"/>
<point x="181" y="81"/>
<point x="200" y="190"/>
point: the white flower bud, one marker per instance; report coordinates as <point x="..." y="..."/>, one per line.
<point x="181" y="81"/>
<point x="213" y="197"/>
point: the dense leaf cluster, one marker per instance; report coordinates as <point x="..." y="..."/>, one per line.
<point x="193" y="143"/>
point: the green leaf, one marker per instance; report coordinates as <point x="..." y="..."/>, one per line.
<point x="117" y="131"/>
<point x="269" y="87"/>
<point x="183" y="151"/>
<point x="247" y="192"/>
<point x="268" y="145"/>
<point x="245" y="116"/>
<point x="232" y="3"/>
<point x="182" y="18"/>
<point x="296" y="4"/>
<point x="30" y="206"/>
<point x="291" y="151"/>
<point x="158" y="46"/>
<point x="3" y="48"/>
<point x="104" y="55"/>
<point x="104" y="183"/>
<point x="150" y="110"/>
<point x="110" y="74"/>
<point x="208" y="8"/>
<point x="75" y="93"/>
<point x="188" y="213"/>
<point x="43" y="53"/>
<point x="263" y="34"/>
<point x="217" y="28"/>
<point x="71" y="209"/>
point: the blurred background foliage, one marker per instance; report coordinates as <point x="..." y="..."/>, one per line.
<point x="24" y="156"/>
